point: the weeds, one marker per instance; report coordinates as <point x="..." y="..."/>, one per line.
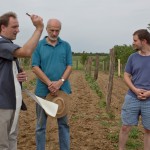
<point x="93" y="84"/>
<point x="114" y="137"/>
<point x="75" y="118"/>
<point x="111" y="115"/>
<point x="105" y="123"/>
<point x="134" y="133"/>
<point x="133" y="143"/>
<point x="102" y="103"/>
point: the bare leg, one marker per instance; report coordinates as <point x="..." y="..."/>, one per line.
<point x="147" y="140"/>
<point x="123" y="136"/>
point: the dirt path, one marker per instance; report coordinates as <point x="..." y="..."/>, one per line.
<point x="87" y="132"/>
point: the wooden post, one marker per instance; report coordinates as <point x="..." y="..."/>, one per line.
<point x="118" y="67"/>
<point x="76" y="64"/>
<point x="89" y="65"/>
<point x="96" y="67"/>
<point x="86" y="66"/>
<point x="103" y="66"/>
<point x="110" y="83"/>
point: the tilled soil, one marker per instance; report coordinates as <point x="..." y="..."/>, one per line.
<point x="87" y="131"/>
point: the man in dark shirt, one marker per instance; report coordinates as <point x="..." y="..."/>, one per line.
<point x="10" y="75"/>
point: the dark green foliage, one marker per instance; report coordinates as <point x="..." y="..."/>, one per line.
<point x="90" y="54"/>
<point x="122" y="53"/>
<point x="83" y="58"/>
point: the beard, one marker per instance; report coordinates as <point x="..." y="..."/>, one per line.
<point x="53" y="38"/>
<point x="136" y="48"/>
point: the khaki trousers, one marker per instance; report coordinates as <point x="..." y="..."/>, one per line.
<point x="8" y="141"/>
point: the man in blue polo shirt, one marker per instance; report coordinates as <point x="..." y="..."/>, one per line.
<point x="11" y="75"/>
<point x="52" y="63"/>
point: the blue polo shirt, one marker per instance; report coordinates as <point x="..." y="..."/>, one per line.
<point x="53" y="61"/>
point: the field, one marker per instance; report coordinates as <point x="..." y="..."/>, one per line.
<point x="90" y="126"/>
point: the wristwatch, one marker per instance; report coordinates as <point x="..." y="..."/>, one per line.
<point x="62" y="79"/>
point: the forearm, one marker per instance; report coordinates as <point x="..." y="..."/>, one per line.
<point x="127" y="79"/>
<point x="130" y="85"/>
<point x="67" y="72"/>
<point x="30" y="45"/>
<point x="41" y="75"/>
<point x="137" y="91"/>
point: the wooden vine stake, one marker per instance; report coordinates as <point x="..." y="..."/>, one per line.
<point x="89" y="66"/>
<point x="110" y="82"/>
<point x="119" y="66"/>
<point x="76" y="64"/>
<point x="96" y="67"/>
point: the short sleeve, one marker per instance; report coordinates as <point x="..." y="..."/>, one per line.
<point x="7" y="48"/>
<point x="128" y="67"/>
<point x="69" y="55"/>
<point x="36" y="57"/>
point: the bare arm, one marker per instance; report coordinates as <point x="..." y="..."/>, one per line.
<point x="127" y="79"/>
<point x="137" y="91"/>
<point x="41" y="75"/>
<point x="67" y="72"/>
<point x="30" y="45"/>
<point x="55" y="86"/>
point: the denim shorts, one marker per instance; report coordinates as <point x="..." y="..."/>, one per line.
<point x="133" y="108"/>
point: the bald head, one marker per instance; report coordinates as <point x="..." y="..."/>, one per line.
<point x="53" y="29"/>
<point x="55" y="23"/>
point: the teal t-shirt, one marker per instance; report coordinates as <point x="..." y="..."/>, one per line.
<point x="52" y="60"/>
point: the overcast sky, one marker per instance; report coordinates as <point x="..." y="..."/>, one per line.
<point x="88" y="25"/>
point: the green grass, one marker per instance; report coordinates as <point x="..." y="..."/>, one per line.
<point x="133" y="142"/>
<point x="134" y="133"/>
<point x="33" y="82"/>
<point x="102" y="103"/>
<point x="114" y="137"/>
<point x="93" y="84"/>
<point x="77" y="65"/>
<point x="111" y="115"/>
<point x="75" y="117"/>
<point x="105" y="123"/>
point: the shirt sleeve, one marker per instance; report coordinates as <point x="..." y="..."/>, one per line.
<point x="69" y="55"/>
<point x="7" y="48"/>
<point x="128" y="67"/>
<point x="36" y="57"/>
